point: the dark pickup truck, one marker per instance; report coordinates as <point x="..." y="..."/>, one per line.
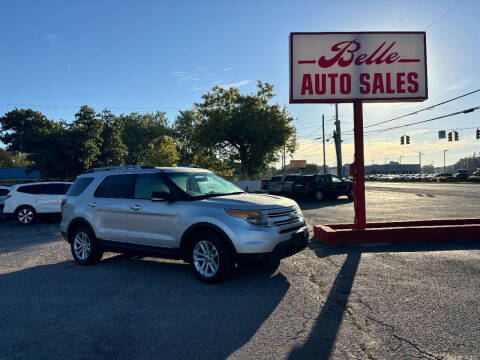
<point x="319" y="187"/>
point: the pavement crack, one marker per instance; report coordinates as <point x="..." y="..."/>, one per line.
<point x="401" y="339"/>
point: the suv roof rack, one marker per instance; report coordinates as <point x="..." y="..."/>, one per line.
<point x="124" y="167"/>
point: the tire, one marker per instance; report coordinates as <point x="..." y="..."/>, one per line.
<point x="84" y="246"/>
<point x="25" y="215"/>
<point x="350" y="194"/>
<point x="211" y="258"/>
<point x="319" y="195"/>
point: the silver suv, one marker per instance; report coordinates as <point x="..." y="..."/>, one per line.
<point x="179" y="213"/>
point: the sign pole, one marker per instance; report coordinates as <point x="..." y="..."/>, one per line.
<point x="359" y="168"/>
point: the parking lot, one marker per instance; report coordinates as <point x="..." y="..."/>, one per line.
<point x="339" y="302"/>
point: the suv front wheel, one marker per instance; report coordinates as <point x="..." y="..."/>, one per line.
<point x="25" y="215"/>
<point x="210" y="257"/>
<point x="85" y="249"/>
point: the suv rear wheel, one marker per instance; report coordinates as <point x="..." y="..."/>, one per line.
<point x="85" y="249"/>
<point x="25" y="215"/>
<point x="210" y="257"/>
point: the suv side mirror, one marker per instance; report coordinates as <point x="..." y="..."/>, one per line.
<point x="162" y="196"/>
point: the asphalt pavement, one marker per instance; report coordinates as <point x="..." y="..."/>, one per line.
<point x="417" y="301"/>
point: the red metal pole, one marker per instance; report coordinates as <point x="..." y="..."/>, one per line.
<point x="359" y="168"/>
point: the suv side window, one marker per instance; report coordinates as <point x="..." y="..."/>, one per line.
<point x="55" y="189"/>
<point x="116" y="186"/>
<point x="29" y="189"/>
<point x="146" y="184"/>
<point x="3" y="192"/>
<point x="336" y="179"/>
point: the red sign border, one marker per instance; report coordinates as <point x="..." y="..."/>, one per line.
<point x="330" y="101"/>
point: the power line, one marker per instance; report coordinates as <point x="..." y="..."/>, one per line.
<point x="404" y="16"/>
<point x="466" y="111"/>
<point x="418" y="111"/>
<point x="445" y="13"/>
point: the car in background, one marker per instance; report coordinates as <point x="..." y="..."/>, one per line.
<point x="27" y="202"/>
<point x="321" y="186"/>
<point x="476" y="172"/>
<point x="442" y="175"/>
<point x="461" y="175"/>
<point x="279" y="184"/>
<point x="4" y="190"/>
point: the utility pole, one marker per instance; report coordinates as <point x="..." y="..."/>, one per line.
<point x="420" y="161"/>
<point x="284" y="159"/>
<point x="444" y="151"/>
<point x="323" y="137"/>
<point x="338" y="143"/>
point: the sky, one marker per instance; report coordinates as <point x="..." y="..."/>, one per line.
<point x="145" y="56"/>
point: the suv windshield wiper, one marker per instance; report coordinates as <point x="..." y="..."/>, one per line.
<point x="218" y="194"/>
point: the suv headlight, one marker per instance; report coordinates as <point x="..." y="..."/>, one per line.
<point x="253" y="217"/>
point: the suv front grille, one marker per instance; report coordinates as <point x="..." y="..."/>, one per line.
<point x="284" y="217"/>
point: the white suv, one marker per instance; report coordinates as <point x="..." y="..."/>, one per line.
<point x="179" y="213"/>
<point x="28" y="201"/>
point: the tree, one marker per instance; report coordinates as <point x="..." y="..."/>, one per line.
<point x="184" y="132"/>
<point x="244" y="129"/>
<point x="9" y="159"/>
<point x="112" y="151"/>
<point x="139" y="131"/>
<point x="163" y="152"/>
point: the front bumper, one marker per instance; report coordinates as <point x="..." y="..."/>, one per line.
<point x="296" y="243"/>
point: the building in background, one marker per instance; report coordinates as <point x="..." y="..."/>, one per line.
<point x="392" y="167"/>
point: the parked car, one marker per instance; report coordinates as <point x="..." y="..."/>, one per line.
<point x="442" y="175"/>
<point x="179" y="213"/>
<point x="4" y="190"/>
<point x="476" y="172"/>
<point x="320" y="186"/>
<point x="279" y="184"/>
<point x="461" y="175"/>
<point x="29" y="201"/>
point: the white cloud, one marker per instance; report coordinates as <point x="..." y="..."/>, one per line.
<point x="69" y="66"/>
<point x="184" y="76"/>
<point x="459" y="85"/>
<point x="237" y="84"/>
<point x="202" y="69"/>
<point x="53" y="38"/>
<point x="227" y="69"/>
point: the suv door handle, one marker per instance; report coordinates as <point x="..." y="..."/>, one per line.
<point x="92" y="205"/>
<point x="135" y="207"/>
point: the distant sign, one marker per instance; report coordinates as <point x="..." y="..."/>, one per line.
<point x="358" y="66"/>
<point x="302" y="164"/>
<point x="442" y="134"/>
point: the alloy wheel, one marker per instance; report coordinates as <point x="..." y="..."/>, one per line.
<point x="81" y="246"/>
<point x="206" y="258"/>
<point x="25" y="216"/>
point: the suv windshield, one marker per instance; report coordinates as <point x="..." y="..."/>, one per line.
<point x="200" y="185"/>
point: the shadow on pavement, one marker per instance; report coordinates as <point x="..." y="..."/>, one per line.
<point x="321" y="341"/>
<point x="128" y="308"/>
<point x="311" y="205"/>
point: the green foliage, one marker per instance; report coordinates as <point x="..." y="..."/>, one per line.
<point x="9" y="159"/>
<point x="163" y="152"/>
<point x="184" y="132"/>
<point x="139" y="131"/>
<point x="112" y="151"/>
<point x="244" y="129"/>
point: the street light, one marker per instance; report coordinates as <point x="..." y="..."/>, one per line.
<point x="444" y="151"/>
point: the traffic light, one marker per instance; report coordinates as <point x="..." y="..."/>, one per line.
<point x="478" y="133"/>
<point x="450" y="136"/>
<point x="402" y="141"/>
<point x="408" y="139"/>
<point x="456" y="135"/>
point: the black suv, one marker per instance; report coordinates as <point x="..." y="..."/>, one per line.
<point x="319" y="186"/>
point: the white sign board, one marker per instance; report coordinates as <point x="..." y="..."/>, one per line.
<point x="363" y="66"/>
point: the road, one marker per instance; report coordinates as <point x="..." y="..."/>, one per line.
<point x="327" y="302"/>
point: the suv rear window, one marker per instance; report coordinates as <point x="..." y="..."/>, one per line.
<point x="291" y="177"/>
<point x="4" y="192"/>
<point x="116" y="186"/>
<point x="79" y="185"/>
<point x="276" y="178"/>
